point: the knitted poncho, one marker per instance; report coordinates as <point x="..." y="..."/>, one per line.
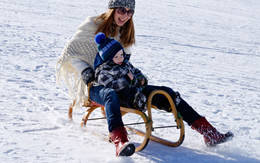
<point x="83" y="48"/>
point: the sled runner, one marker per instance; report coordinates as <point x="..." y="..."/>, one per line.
<point x="143" y="123"/>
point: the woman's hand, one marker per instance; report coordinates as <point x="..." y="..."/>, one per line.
<point x="87" y="75"/>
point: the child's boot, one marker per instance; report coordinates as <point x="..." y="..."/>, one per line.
<point x="119" y="137"/>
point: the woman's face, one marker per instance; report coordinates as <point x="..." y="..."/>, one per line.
<point x="122" y="15"/>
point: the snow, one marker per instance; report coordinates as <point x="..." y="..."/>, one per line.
<point x="206" y="50"/>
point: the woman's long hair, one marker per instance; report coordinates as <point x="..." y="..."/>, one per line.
<point x="108" y="27"/>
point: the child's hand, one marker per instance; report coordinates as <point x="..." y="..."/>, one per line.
<point x="130" y="75"/>
<point x="142" y="81"/>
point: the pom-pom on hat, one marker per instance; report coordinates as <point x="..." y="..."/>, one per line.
<point x="122" y="3"/>
<point x="107" y="47"/>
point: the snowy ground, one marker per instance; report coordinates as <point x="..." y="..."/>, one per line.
<point x="207" y="50"/>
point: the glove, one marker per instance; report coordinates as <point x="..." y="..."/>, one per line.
<point x="140" y="101"/>
<point x="139" y="78"/>
<point x="87" y="75"/>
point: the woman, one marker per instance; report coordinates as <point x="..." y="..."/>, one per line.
<point x="75" y="66"/>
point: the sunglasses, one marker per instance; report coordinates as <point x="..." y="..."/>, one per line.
<point x="123" y="11"/>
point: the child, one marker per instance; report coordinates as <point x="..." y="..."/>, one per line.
<point x="113" y="70"/>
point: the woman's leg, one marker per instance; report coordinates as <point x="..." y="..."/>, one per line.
<point x="108" y="97"/>
<point x="187" y="112"/>
<point x="197" y="122"/>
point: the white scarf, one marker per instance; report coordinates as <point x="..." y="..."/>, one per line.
<point x="82" y="46"/>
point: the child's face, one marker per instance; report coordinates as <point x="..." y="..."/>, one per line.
<point x="119" y="57"/>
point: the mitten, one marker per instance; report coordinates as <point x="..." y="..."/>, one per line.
<point x="140" y="101"/>
<point x="87" y="75"/>
<point x="139" y="79"/>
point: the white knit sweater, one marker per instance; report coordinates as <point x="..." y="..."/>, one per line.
<point x="77" y="55"/>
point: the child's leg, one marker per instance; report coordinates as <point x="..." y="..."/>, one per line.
<point x="126" y="96"/>
<point x="117" y="131"/>
<point x="108" y="98"/>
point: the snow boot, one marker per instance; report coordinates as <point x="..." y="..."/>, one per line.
<point x="211" y="136"/>
<point x="119" y="137"/>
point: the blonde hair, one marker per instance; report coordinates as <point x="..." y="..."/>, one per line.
<point x="108" y="27"/>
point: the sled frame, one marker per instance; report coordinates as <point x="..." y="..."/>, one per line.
<point x="146" y="118"/>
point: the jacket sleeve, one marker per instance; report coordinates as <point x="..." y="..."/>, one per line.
<point x="86" y="71"/>
<point x="79" y="64"/>
<point x="138" y="75"/>
<point x="134" y="70"/>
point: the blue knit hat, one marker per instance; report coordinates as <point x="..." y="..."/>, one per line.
<point x="107" y="48"/>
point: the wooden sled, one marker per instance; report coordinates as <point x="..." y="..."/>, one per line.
<point x="147" y="122"/>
